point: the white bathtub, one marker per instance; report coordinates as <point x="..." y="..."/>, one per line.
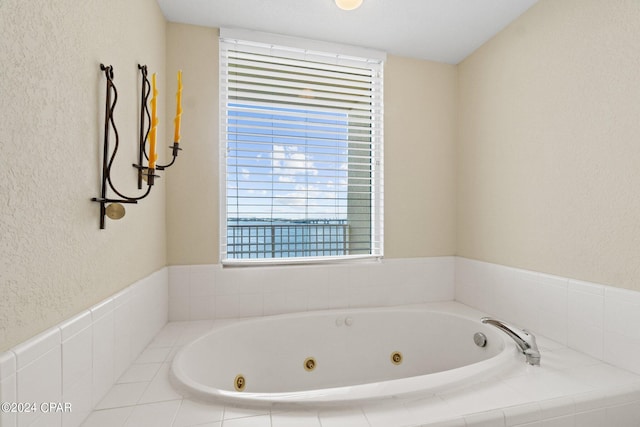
<point x="352" y="357"/>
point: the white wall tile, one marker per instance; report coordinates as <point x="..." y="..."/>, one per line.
<point x="595" y="418"/>
<point x="274" y="303"/>
<point x="457" y="422"/>
<point x="552" y="308"/>
<point x="621" y="351"/>
<point x="585" y="317"/>
<point x="286" y="289"/>
<point x="79" y="395"/>
<point x="296" y="301"/>
<point x="352" y="417"/>
<point x="428" y="409"/>
<point x="338" y="288"/>
<point x="103" y="356"/>
<point x="202" y="307"/>
<point x="77" y="359"/>
<point x="621" y="309"/>
<point x="621" y="337"/>
<point x="568" y="311"/>
<point x="74" y="325"/>
<point x="256" y="421"/>
<point x="179" y="277"/>
<point x="295" y="419"/>
<point x="439" y="277"/>
<point x="35" y="347"/>
<point x="179" y="308"/>
<point x="627" y="415"/>
<point x="385" y="414"/>
<point x="521" y="414"/>
<point x="102" y="308"/>
<point x="149" y="309"/>
<point x="318" y="298"/>
<point x="123" y="335"/>
<point x="486" y="419"/>
<point x="589" y="317"/>
<point x="40" y="381"/>
<point x="8" y="393"/>
<point x="555" y="408"/>
<point x="623" y="394"/>
<point x="7" y="364"/>
<point x="565" y="421"/>
<point x="504" y="288"/>
<point x="202" y="280"/>
<point x="250" y="305"/>
<point x="226" y="306"/>
<point x="474" y="284"/>
<point x="595" y="399"/>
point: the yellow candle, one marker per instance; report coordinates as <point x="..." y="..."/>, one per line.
<point x="153" y="156"/>
<point x="176" y="121"/>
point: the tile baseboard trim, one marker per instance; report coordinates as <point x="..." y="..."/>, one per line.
<point x="598" y="320"/>
<point x="81" y="358"/>
<point x="209" y="292"/>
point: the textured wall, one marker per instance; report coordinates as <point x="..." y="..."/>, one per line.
<point x="420" y="130"/>
<point x="54" y="261"/>
<point x="549" y="143"/>
<point x="420" y="110"/>
<point x="192" y="191"/>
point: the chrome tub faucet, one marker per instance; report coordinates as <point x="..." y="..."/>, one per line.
<point x="524" y="339"/>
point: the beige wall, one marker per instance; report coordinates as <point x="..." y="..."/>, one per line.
<point x="419" y="137"/>
<point x="420" y="103"/>
<point x="544" y="174"/>
<point x="54" y="260"/>
<point x="192" y="189"/>
<point x="549" y="145"/>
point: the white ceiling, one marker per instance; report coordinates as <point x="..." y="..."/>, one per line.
<point x="438" y="30"/>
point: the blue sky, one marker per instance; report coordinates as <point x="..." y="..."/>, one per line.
<point x="286" y="163"/>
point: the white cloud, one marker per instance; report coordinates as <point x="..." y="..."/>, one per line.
<point x="288" y="163"/>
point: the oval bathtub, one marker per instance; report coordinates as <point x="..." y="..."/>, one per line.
<point x="337" y="357"/>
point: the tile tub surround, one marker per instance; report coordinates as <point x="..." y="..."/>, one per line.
<point x="600" y="321"/>
<point x="594" y="319"/>
<point x="569" y="389"/>
<point x="79" y="360"/>
<point x="588" y="323"/>
<point x="207" y="292"/>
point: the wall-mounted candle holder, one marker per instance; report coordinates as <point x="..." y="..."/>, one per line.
<point x="145" y="117"/>
<point x="112" y="207"/>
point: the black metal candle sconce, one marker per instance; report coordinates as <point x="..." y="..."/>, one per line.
<point x="112" y="207"/>
<point x="143" y="171"/>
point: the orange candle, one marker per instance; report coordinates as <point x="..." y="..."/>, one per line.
<point x="176" y="121"/>
<point x="153" y="156"/>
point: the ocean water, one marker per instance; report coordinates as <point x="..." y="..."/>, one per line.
<point x="256" y="238"/>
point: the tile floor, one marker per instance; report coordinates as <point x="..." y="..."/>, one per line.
<point x="568" y="381"/>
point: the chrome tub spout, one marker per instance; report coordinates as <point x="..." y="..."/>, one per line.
<point x="524" y="339"/>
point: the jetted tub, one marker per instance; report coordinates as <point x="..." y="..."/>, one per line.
<point x="340" y="357"/>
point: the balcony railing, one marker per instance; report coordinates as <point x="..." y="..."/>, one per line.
<point x="292" y="239"/>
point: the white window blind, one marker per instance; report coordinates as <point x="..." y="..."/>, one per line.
<point x="301" y="154"/>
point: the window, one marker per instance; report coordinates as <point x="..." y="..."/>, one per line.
<point x="301" y="153"/>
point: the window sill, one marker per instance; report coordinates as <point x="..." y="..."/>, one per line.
<point x="265" y="262"/>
